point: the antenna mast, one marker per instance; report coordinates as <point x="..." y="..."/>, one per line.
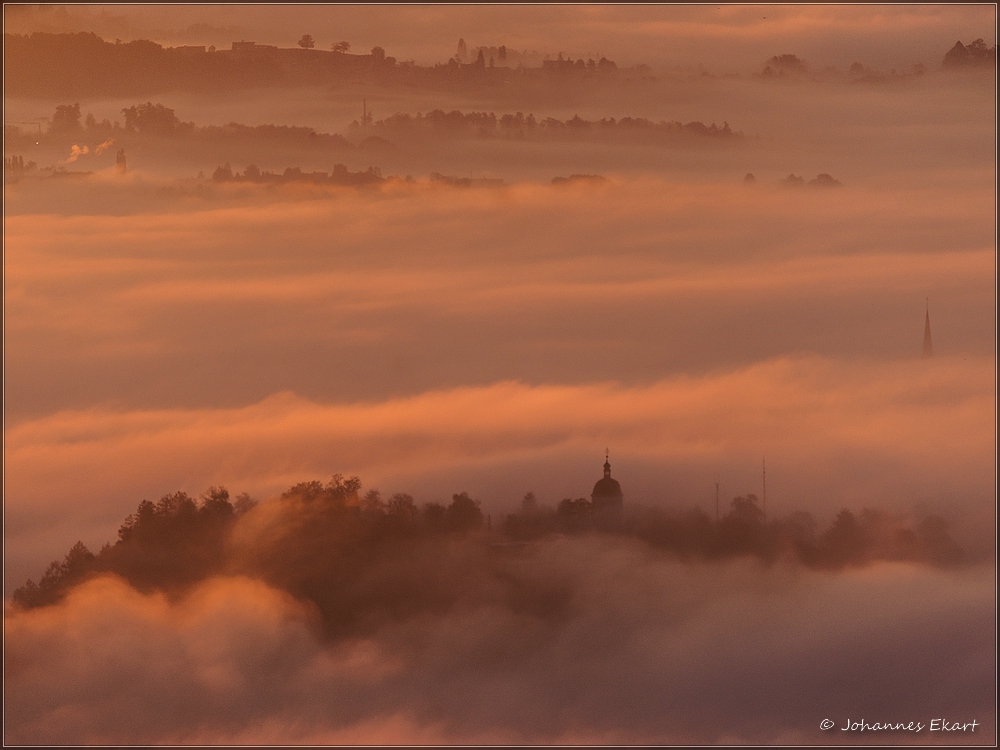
<point x="763" y="464"/>
<point x="928" y="347"/>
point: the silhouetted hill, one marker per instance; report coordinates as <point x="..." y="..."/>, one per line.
<point x="974" y="55"/>
<point x="84" y="65"/>
<point x="456" y="124"/>
<point x="362" y="559"/>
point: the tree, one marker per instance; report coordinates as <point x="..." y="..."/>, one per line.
<point x="66" y="118"/>
<point x="306" y="42"/>
<point x="216" y="500"/>
<point x="788" y="64"/>
<point x="825" y="180"/>
<point x="344" y="491"/>
<point x="372" y="503"/>
<point x="244" y="503"/>
<point x="341" y="47"/>
<point x="402" y="507"/>
<point x="745" y="510"/>
<point x="223" y="174"/>
<point x="151" y="118"/>
<point x="574" y="509"/>
<point x="463" y="513"/>
<point x="844" y="542"/>
<point x="975" y="55"/>
<point x="378" y="54"/>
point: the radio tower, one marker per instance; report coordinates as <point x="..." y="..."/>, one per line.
<point x="928" y="347"/>
<point x="763" y="466"/>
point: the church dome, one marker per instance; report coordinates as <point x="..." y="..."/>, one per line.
<point x="607" y="491"/>
<point x="607" y="487"/>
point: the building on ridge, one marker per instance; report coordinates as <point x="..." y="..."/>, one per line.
<point x="607" y="494"/>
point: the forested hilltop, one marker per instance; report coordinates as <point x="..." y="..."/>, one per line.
<point x="84" y="65"/>
<point x="362" y="558"/>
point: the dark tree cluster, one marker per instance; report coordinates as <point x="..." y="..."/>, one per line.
<point x="83" y="64"/>
<point x="566" y="66"/>
<point x="821" y="180"/>
<point x="339" y="176"/>
<point x="165" y="545"/>
<point x="297" y="135"/>
<point x="362" y="560"/>
<point x="155" y="119"/>
<point x="784" y="65"/>
<point x="593" y="179"/>
<point x="14" y="167"/>
<point x="159" y="121"/>
<point x="488" y="124"/>
<point x="974" y="55"/>
<point x="466" y="181"/>
<point x="860" y="74"/>
<point x="324" y="539"/>
<point x="851" y="540"/>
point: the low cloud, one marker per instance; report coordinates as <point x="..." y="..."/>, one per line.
<point x="836" y="434"/>
<point x="648" y="650"/>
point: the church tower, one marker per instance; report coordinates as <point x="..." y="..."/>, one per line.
<point x="607" y="492"/>
<point x="928" y="347"/>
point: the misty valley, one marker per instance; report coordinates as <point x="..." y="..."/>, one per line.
<point x="745" y="253"/>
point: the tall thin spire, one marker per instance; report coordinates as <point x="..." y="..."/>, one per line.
<point x="763" y="466"/>
<point x="928" y="347"/>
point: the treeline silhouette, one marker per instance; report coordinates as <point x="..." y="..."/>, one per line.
<point x="84" y="64"/>
<point x="158" y="121"/>
<point x="850" y="540"/>
<point x="14" y="167"/>
<point x="974" y="55"/>
<point x="339" y="176"/>
<point x="466" y="181"/>
<point x="821" y="180"/>
<point x="593" y="179"/>
<point x="519" y="125"/>
<point x="363" y="560"/>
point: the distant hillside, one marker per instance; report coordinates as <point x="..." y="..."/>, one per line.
<point x="83" y="64"/>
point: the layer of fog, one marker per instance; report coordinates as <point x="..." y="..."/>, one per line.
<point x="220" y="298"/>
<point x="165" y="334"/>
<point x="339" y="295"/>
<point x="645" y="650"/>
<point x="922" y="129"/>
<point x="910" y="436"/>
